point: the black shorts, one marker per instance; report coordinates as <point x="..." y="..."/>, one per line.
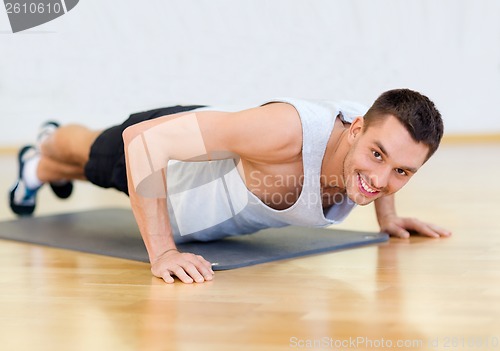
<point x="106" y="164"/>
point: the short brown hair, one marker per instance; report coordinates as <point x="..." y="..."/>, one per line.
<point x="415" y="111"/>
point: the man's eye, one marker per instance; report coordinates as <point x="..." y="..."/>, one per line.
<point x="377" y="155"/>
<point x="400" y="171"/>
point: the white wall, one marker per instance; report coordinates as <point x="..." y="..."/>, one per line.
<point x="106" y="59"/>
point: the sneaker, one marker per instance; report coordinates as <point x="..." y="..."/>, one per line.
<point x="23" y="199"/>
<point x="62" y="189"/>
<point x="45" y="131"/>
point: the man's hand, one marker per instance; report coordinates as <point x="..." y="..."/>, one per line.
<point x="187" y="267"/>
<point x="401" y="227"/>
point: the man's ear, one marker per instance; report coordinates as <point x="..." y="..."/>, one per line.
<point x="356" y="129"/>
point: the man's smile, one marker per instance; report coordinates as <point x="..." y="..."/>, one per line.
<point x="366" y="189"/>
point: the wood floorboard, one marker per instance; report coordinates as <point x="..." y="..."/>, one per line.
<point x="430" y="294"/>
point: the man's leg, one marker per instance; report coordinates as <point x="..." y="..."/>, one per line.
<point x="59" y="158"/>
<point x="76" y="152"/>
<point x="65" y="153"/>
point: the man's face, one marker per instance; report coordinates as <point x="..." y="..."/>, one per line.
<point x="382" y="159"/>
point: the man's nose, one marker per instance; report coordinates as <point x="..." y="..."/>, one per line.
<point x="380" y="178"/>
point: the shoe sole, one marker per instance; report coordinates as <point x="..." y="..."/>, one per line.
<point x="21" y="210"/>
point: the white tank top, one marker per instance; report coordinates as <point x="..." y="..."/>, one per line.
<point x="209" y="200"/>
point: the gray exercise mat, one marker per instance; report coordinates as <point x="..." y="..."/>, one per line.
<point x="113" y="232"/>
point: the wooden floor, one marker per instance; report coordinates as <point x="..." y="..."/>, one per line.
<point x="429" y="294"/>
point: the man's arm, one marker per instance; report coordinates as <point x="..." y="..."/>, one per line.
<point x="393" y="225"/>
<point x="255" y="134"/>
<point x="148" y="148"/>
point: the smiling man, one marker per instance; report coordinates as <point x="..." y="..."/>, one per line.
<point x="198" y="173"/>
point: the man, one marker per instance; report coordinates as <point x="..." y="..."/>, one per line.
<point x="196" y="174"/>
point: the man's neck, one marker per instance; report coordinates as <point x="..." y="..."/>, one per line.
<point x="332" y="169"/>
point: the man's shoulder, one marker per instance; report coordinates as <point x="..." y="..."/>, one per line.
<point x="347" y="109"/>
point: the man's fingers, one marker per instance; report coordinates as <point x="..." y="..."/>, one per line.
<point x="193" y="272"/>
<point x="187" y="267"/>
<point x="182" y="275"/>
<point x="167" y="278"/>
<point x="441" y="231"/>
<point x="402" y="233"/>
<point x="397" y="231"/>
<point x="205" y="268"/>
<point x="200" y="269"/>
<point x="400" y="228"/>
<point x="207" y="264"/>
<point x="422" y="228"/>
